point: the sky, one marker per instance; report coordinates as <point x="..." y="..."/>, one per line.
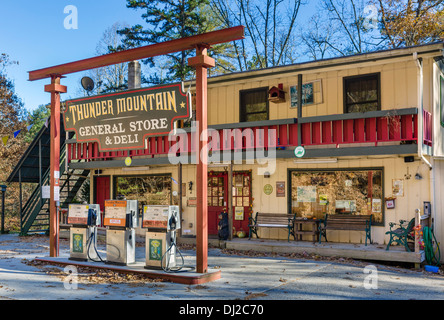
<point x="34" y="34"/>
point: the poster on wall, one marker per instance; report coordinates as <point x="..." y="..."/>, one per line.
<point x="376" y="205"/>
<point x="239" y="213"/>
<point x="346" y="205"/>
<point x="306" y="193"/>
<point x="398" y="188"/>
<point x="280" y="189"/>
<point x="323" y="199"/>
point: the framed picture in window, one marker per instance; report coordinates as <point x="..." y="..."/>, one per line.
<point x="311" y="93"/>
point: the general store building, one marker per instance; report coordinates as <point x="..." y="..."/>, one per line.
<point x="371" y="126"/>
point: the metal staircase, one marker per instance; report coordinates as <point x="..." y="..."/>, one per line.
<point x="35" y="213"/>
<point x="34" y="167"/>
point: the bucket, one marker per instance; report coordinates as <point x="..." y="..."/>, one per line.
<point x="431" y="269"/>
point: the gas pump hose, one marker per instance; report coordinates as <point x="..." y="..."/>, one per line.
<point x="175" y="269"/>
<point x="433" y="256"/>
<point x="90" y="241"/>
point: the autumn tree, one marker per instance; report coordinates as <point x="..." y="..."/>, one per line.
<point x="410" y="23"/>
<point x="13" y="115"/>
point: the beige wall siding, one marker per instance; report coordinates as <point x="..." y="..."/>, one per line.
<point x="438" y="205"/>
<point x="399" y="89"/>
<point x="415" y="192"/>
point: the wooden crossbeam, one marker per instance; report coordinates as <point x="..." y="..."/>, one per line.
<point x="188" y="43"/>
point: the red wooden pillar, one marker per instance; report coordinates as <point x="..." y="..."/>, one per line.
<point x="55" y="89"/>
<point x="201" y="62"/>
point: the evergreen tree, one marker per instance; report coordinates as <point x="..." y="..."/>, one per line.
<point x="37" y="119"/>
<point x="167" y="20"/>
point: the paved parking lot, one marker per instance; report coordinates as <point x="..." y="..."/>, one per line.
<point x="244" y="278"/>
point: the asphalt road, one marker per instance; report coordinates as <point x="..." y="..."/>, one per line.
<point x="245" y="279"/>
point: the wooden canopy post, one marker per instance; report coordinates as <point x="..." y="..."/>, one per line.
<point x="55" y="88"/>
<point x="201" y="62"/>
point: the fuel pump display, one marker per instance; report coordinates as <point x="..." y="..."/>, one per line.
<point x="84" y="219"/>
<point x="161" y="250"/>
<point x="121" y="219"/>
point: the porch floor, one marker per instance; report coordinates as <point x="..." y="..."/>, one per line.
<point x="373" y="252"/>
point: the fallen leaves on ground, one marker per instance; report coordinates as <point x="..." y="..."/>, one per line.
<point x="95" y="276"/>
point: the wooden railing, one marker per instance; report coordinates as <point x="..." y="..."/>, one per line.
<point x="376" y="127"/>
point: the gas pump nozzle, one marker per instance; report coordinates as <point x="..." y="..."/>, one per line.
<point x="92" y="218"/>
<point x="172" y="223"/>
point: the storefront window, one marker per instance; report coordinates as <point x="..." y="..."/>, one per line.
<point x="354" y="191"/>
<point x="148" y="190"/>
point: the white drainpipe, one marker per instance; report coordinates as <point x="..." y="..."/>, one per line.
<point x="421" y="110"/>
<point x="421" y="135"/>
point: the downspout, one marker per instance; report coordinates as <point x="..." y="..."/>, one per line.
<point x="421" y="135"/>
<point x="421" y="110"/>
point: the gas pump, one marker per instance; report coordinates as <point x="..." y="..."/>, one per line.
<point x="84" y="219"/>
<point x="161" y="222"/>
<point x="121" y="219"/>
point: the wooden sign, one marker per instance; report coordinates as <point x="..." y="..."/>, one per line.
<point x="192" y="202"/>
<point x="122" y="121"/>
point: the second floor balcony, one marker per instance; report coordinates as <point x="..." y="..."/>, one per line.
<point x="368" y="133"/>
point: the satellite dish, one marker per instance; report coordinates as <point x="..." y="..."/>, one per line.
<point x="87" y="83"/>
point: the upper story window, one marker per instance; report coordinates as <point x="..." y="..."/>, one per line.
<point x="362" y="93"/>
<point x="254" y="104"/>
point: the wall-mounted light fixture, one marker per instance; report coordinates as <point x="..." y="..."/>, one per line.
<point x="136" y="168"/>
<point x="314" y="161"/>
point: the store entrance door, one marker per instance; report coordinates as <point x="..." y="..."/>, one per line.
<point x="218" y="200"/>
<point x="102" y="192"/>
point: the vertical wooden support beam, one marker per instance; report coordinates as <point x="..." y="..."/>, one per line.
<point x="299" y="109"/>
<point x="230" y="201"/>
<point x="201" y="62"/>
<point x="179" y="176"/>
<point x="55" y="89"/>
<point x="20" y="200"/>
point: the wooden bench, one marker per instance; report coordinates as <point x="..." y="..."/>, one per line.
<point x="346" y="222"/>
<point x="272" y="220"/>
